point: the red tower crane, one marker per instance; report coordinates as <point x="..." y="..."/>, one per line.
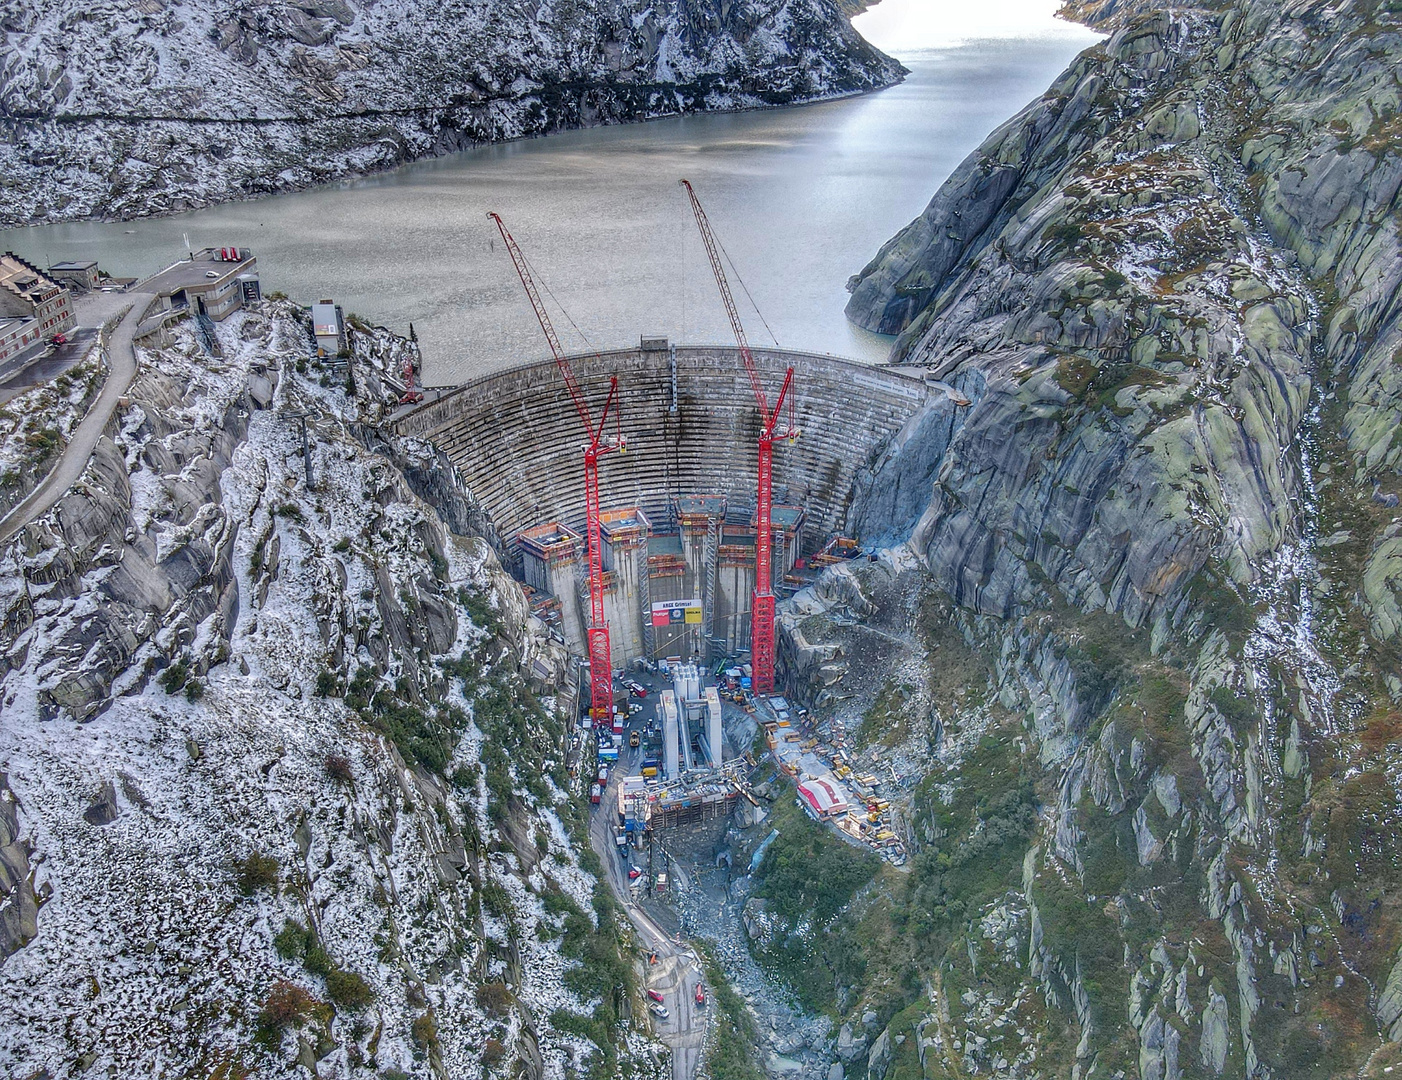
<point x="762" y="605"/>
<point x="597" y="633"/>
<point x="411" y="392"/>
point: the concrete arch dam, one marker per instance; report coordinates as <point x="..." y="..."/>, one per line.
<point x="691" y="425"/>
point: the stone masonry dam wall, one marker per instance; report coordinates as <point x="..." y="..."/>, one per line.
<point x="517" y="440"/>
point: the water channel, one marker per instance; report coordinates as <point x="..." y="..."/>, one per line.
<point x="801" y="198"/>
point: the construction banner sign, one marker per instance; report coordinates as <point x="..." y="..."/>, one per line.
<point x="676" y="612"/>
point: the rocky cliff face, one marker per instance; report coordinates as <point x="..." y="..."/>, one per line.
<point x="283" y="769"/>
<point x="1163" y="536"/>
<point x="131" y="107"/>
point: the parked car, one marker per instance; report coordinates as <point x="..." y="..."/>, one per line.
<point x="59" y="339"/>
<point x="655" y="996"/>
<point x="633" y="738"/>
<point x="659" y="1012"/>
<point x="634" y="873"/>
<point x="700" y="994"/>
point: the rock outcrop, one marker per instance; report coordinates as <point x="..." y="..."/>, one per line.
<point x="123" y="108"/>
<point x="1158" y="707"/>
<point x="285" y="757"/>
<point x="19" y="904"/>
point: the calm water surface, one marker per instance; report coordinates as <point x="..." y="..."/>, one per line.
<point x="801" y="198"/>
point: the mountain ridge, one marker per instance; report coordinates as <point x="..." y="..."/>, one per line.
<point x="133" y="107"/>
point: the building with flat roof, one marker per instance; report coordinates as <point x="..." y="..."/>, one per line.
<point x="328" y="327"/>
<point x="78" y="275"/>
<point x="33" y="307"/>
<point x="212" y="281"/>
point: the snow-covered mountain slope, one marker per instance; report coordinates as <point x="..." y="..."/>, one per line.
<point x="282" y="772"/>
<point x="126" y="107"/>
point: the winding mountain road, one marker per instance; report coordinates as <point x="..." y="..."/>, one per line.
<point x="83" y="441"/>
<point x="676" y="974"/>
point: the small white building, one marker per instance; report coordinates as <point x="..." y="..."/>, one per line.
<point x="329" y="327"/>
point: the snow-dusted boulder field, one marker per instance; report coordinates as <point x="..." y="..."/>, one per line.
<point x="119" y="108"/>
<point x="283" y="784"/>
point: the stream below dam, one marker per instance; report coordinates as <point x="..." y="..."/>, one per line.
<point x="801" y="198"/>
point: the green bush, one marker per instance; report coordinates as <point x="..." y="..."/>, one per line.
<point x="318" y="961"/>
<point x="732" y="1051"/>
<point x="293" y="940"/>
<point x="348" y="990"/>
<point x="425" y="1031"/>
<point x="1064" y="232"/>
<point x="43" y="442"/>
<point x="1113" y="281"/>
<point x="256" y="871"/>
<point x="287" y="1005"/>
<point x="1237" y="711"/>
<point x="808" y="871"/>
<point x="325" y="684"/>
<point x="174" y="677"/>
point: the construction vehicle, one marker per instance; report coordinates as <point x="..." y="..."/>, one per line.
<point x="762" y="604"/>
<point x="597" y="632"/>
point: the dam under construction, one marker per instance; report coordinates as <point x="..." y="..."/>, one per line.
<point x="677" y="531"/>
<point x="678" y="508"/>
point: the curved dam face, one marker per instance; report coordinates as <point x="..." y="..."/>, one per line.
<point x="691" y="425"/>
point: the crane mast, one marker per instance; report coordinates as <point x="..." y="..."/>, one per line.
<point x="597" y="632"/>
<point x="762" y="603"/>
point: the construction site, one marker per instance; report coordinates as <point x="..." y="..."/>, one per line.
<point x="658" y="502"/>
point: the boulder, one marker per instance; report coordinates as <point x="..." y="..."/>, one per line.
<point x="879" y="1060"/>
<point x="850" y="1047"/>
<point x="103" y="810"/>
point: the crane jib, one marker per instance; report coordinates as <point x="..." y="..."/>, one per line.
<point x="762" y="604"/>
<point x="597" y="632"/>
